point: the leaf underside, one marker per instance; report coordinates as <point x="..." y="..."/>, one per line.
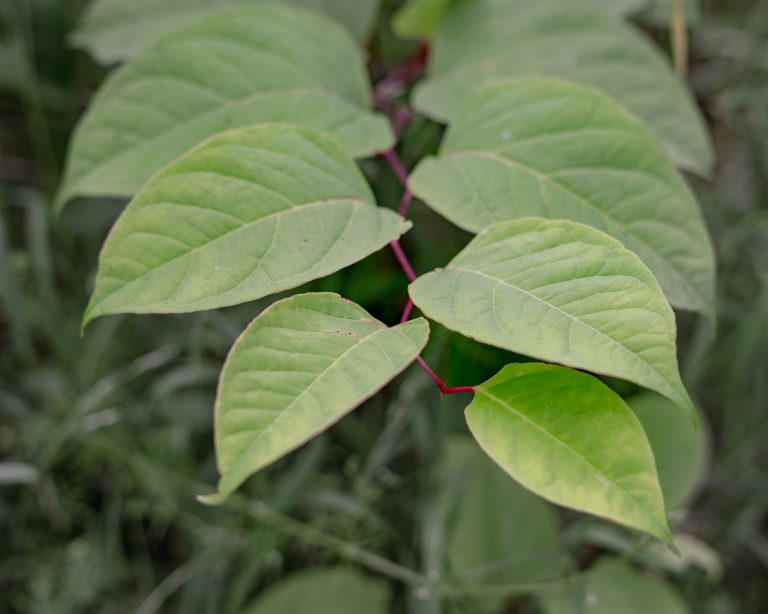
<point x="249" y="213"/>
<point x="234" y="69"/>
<point x="569" y="438"/>
<point x="541" y="147"/>
<point x="298" y="368"/>
<point x="116" y="30"/>
<point x="561" y="292"/>
<point x="488" y="39"/>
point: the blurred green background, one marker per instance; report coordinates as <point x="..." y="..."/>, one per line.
<point x="105" y="440"/>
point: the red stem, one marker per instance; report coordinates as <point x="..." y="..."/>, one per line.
<point x="440" y="383"/>
<point x="407" y="311"/>
<point x="397" y="166"/>
<point x="403" y="260"/>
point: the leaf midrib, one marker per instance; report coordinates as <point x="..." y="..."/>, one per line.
<point x="484" y="391"/>
<point x="353" y="201"/>
<point x="565" y="313"/>
<point x="550" y="179"/>
<point x="282" y="413"/>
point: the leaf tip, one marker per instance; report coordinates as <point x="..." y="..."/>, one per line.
<point x="669" y="542"/>
<point x="216" y="498"/>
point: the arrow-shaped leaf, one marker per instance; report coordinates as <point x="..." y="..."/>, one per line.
<point x="489" y="39"/>
<point x="236" y="68"/>
<point x="572" y="440"/>
<point x="561" y="292"/>
<point x="249" y="213"/>
<point x="559" y="150"/>
<point x="297" y="369"/>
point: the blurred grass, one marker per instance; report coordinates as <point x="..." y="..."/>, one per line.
<point x="105" y="440"/>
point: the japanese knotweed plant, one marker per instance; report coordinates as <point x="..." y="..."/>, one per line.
<point x="233" y="127"/>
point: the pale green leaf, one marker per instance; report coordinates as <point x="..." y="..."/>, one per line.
<point x="486" y="39"/>
<point x="561" y="292"/>
<point x="501" y="533"/>
<point x="334" y="590"/>
<point x="239" y="67"/>
<point x="298" y="368"/>
<point x="569" y="438"/>
<point x="559" y="150"/>
<point x="680" y="448"/>
<point x="248" y="213"/>
<point x="613" y="587"/>
<point x="118" y="30"/>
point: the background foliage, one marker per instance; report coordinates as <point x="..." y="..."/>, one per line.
<point x="106" y="443"/>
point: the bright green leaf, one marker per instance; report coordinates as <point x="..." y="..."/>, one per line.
<point x="298" y="368"/>
<point x="237" y="68"/>
<point x="560" y="150"/>
<point x="501" y="533"/>
<point x="337" y="590"/>
<point x="561" y="292"/>
<point x="248" y="213"/>
<point x="419" y="18"/>
<point x="679" y="447"/>
<point x="611" y="587"/>
<point x="486" y="39"/>
<point x="569" y="438"/>
<point x="118" y="30"/>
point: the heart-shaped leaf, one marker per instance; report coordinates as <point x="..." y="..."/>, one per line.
<point x="234" y="69"/>
<point x="568" y="437"/>
<point x="487" y="39"/>
<point x="118" y="30"/>
<point x="298" y="368"/>
<point x="248" y="213"/>
<point x="562" y="292"/>
<point x="560" y="150"/>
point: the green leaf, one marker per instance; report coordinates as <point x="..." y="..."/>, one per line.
<point x="298" y="368"/>
<point x="338" y="590"/>
<point x="501" y="533"/>
<point x="569" y="438"/>
<point x="116" y="30"/>
<point x="486" y="39"/>
<point x="234" y="69"/>
<point x="612" y="586"/>
<point x="248" y="213"/>
<point x="561" y="292"/>
<point x="559" y="150"/>
<point x="419" y="18"/>
<point x="681" y="449"/>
